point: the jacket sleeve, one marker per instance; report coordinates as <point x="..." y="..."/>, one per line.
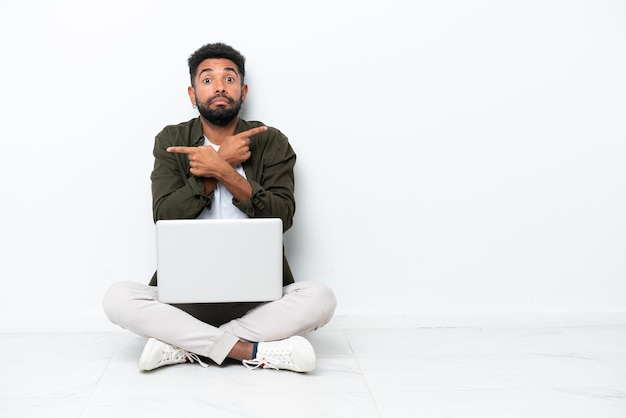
<point x="176" y="193"/>
<point x="270" y="171"/>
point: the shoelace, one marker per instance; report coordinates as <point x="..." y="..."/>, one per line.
<point x="179" y="355"/>
<point x="270" y="360"/>
<point x="191" y="357"/>
<point x="260" y="362"/>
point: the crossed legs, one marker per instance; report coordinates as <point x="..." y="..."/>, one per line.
<point x="304" y="307"/>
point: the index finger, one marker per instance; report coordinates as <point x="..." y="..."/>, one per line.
<point x="252" y="131"/>
<point x="181" y="150"/>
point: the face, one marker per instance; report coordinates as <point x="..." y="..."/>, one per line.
<point x="218" y="91"/>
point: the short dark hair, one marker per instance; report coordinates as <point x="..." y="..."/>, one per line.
<point x="216" y="50"/>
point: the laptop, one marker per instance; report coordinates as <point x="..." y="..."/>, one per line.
<point x="219" y="260"/>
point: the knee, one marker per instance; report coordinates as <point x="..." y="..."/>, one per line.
<point x="323" y="301"/>
<point x="328" y="302"/>
<point x="110" y="302"/>
<point x="116" y="298"/>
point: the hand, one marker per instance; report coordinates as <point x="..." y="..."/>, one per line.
<point x="203" y="160"/>
<point x="235" y="149"/>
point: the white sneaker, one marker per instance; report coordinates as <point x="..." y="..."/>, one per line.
<point x="157" y="353"/>
<point x="294" y="353"/>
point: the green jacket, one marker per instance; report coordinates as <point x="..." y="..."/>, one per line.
<point x="177" y="194"/>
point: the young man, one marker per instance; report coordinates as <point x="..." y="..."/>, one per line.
<point x="220" y="166"/>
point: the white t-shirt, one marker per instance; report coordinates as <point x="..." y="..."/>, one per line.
<point x="222" y="206"/>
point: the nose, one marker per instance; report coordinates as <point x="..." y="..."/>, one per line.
<point x="219" y="87"/>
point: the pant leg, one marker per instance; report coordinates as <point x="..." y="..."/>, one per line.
<point x="304" y="307"/>
<point x="135" y="307"/>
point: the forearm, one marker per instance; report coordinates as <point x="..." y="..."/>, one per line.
<point x="236" y="184"/>
<point x="266" y="203"/>
<point x="180" y="200"/>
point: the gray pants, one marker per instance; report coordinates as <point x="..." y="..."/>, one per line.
<point x="304" y="307"/>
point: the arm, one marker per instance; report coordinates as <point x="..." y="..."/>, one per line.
<point x="176" y="194"/>
<point x="214" y="167"/>
<point x="270" y="172"/>
<point x="268" y="161"/>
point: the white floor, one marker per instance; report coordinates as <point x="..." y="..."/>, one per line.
<point x="422" y="372"/>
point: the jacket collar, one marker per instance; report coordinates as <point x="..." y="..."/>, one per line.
<point x="197" y="136"/>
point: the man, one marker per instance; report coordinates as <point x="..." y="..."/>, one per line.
<point x="220" y="166"/>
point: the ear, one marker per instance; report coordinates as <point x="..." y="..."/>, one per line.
<point x="244" y="93"/>
<point x="192" y="95"/>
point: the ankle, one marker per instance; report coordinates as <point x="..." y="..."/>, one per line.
<point x="242" y="350"/>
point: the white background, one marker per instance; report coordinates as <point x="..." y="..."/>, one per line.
<point x="454" y="157"/>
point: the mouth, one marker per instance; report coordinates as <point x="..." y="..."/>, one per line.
<point x="220" y="101"/>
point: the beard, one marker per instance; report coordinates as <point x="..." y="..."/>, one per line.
<point x="221" y="116"/>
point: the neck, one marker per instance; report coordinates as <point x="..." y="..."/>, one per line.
<point x="217" y="134"/>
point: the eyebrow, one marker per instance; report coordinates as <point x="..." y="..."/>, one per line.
<point x="210" y="70"/>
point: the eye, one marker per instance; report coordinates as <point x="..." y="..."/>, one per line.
<point x="206" y="80"/>
<point x="230" y="79"/>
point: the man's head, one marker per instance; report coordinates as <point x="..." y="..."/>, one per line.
<point x="217" y="86"/>
<point x="216" y="50"/>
